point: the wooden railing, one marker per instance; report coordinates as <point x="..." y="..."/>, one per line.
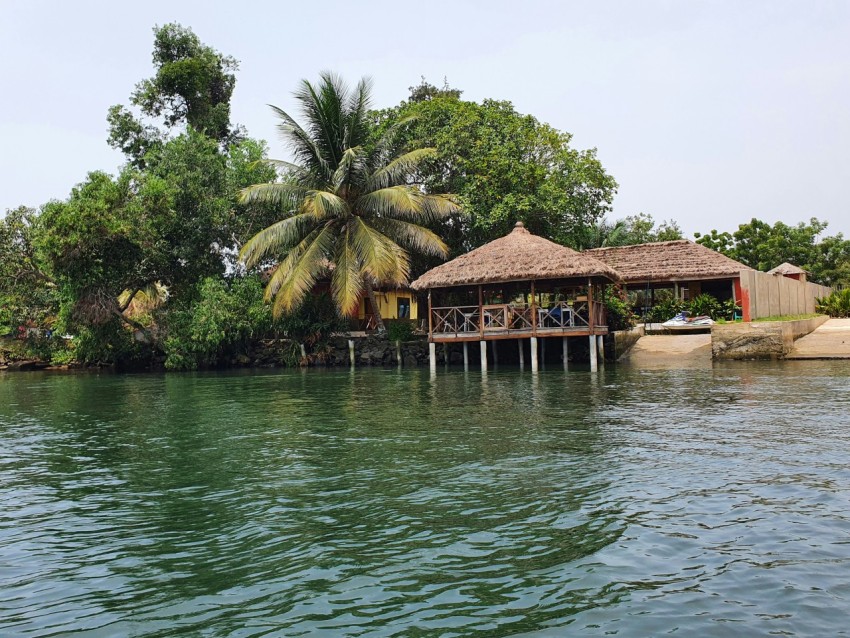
<point x="506" y="318"/>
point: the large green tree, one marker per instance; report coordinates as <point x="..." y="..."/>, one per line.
<point x="763" y="246"/>
<point x="350" y="202"/>
<point x="192" y="87"/>
<point x="504" y="166"/>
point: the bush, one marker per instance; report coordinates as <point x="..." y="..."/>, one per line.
<point x="399" y="330"/>
<point x="620" y="315"/>
<point x="836" y="304"/>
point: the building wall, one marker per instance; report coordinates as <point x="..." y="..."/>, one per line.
<point x="388" y="304"/>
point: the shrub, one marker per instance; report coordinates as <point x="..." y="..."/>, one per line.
<point x="620" y="315"/>
<point x="836" y="304"/>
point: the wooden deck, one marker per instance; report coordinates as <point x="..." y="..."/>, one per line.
<point x="513" y="321"/>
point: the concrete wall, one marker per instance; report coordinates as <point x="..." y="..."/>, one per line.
<point x="759" y="340"/>
<point x="624" y="340"/>
<point x="773" y="295"/>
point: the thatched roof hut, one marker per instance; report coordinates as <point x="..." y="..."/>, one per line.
<point x="786" y="269"/>
<point x="518" y="256"/>
<point x="668" y="261"/>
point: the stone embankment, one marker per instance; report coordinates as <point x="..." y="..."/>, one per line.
<point x="760" y="340"/>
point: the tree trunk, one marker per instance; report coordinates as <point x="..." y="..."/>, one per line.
<point x="370" y="293"/>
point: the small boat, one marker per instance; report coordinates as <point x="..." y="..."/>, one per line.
<point x="683" y="322"/>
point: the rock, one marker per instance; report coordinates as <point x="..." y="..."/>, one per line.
<point x="26" y="366"/>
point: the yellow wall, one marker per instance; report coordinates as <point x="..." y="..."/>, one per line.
<point x="388" y="304"/>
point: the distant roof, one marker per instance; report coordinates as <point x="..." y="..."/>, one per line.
<point x="518" y="256"/>
<point x="787" y="269"/>
<point x="677" y="260"/>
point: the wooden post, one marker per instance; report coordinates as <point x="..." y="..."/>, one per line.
<point x="398" y="352"/>
<point x="521" y="354"/>
<point x="483" y="355"/>
<point x="445" y="354"/>
<point x="600" y="346"/>
<point x="592" y="343"/>
<point x="534" y="365"/>
<point x="481" y="312"/>
<point x="351" y="352"/>
<point x="432" y="357"/>
<point x="430" y="323"/>
<point x="543" y="352"/>
<point x="565" y="351"/>
<point x="493" y="344"/>
<point x="533" y="324"/>
<point x="466" y="355"/>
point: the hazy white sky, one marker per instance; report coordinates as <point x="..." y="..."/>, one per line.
<point x="709" y="113"/>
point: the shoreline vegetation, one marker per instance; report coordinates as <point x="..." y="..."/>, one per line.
<point x="202" y="252"/>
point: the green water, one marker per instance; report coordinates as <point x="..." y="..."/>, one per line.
<point x="704" y="502"/>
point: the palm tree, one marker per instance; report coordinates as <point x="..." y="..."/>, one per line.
<point x="351" y="204"/>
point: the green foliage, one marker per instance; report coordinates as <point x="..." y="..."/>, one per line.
<point x="400" y="330"/>
<point x="192" y="86"/>
<point x="227" y="318"/>
<point x="620" y="315"/>
<point x="761" y="246"/>
<point x="634" y="229"/>
<point x="666" y="309"/>
<point x="705" y="305"/>
<point x="505" y="167"/>
<point x="701" y="305"/>
<point x="28" y="295"/>
<point x="836" y="304"/>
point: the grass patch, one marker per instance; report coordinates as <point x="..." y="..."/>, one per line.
<point x="787" y="318"/>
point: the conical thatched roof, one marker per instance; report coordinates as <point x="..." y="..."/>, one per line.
<point x="678" y="260"/>
<point x="518" y="256"/>
<point x="787" y="269"/>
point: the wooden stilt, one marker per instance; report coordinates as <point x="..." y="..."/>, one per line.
<point x="592" y="340"/>
<point x="483" y="356"/>
<point x="432" y="356"/>
<point x="565" y="351"/>
<point x="600" y="343"/>
<point x="445" y="354"/>
<point x="494" y="345"/>
<point x="351" y="352"/>
<point x="543" y="353"/>
<point x="466" y="355"/>
<point x="534" y="366"/>
<point x="521" y="354"/>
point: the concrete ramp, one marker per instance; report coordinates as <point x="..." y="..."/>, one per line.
<point x="829" y="341"/>
<point x="662" y="351"/>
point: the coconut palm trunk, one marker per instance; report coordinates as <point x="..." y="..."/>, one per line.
<point x="376" y="310"/>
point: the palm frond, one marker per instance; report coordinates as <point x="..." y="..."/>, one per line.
<point x="357" y="108"/>
<point x="346" y="281"/>
<point x="297" y="274"/>
<point x="400" y="201"/>
<point x="412" y="236"/>
<point x="399" y="169"/>
<point x="323" y="204"/>
<point x="322" y="106"/>
<point x="352" y="164"/>
<point x="303" y="146"/>
<point x="378" y="255"/>
<point x="387" y="143"/>
<point x="287" y="194"/>
<point x="280" y="236"/>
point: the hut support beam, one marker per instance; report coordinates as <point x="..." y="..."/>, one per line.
<point x="494" y="345"/>
<point x="565" y="351"/>
<point x="432" y="356"/>
<point x="543" y="352"/>
<point x="600" y="346"/>
<point x="534" y="366"/>
<point x="521" y="354"/>
<point x="483" y="355"/>
<point x="466" y="355"/>
<point x="592" y="339"/>
<point x="351" y="352"/>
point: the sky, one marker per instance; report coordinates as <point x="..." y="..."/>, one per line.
<point x="709" y="113"/>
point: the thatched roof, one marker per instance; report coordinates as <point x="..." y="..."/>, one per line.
<point x="787" y="269"/>
<point x="518" y="256"/>
<point x="663" y="261"/>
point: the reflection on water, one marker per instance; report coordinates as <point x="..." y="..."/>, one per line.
<point x="628" y="502"/>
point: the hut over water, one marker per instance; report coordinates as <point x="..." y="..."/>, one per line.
<point x="520" y="287"/>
